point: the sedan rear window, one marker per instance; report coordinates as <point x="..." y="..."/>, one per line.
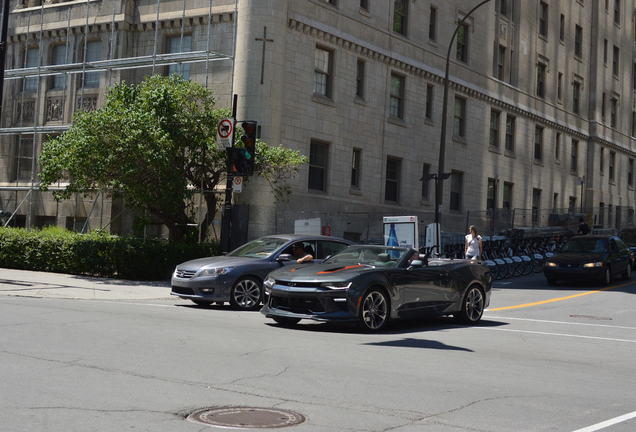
<point x="259" y="248"/>
<point x="586" y="245"/>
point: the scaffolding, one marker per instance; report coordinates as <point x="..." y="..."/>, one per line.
<point x="134" y="34"/>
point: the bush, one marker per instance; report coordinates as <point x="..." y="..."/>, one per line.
<point x="95" y="254"/>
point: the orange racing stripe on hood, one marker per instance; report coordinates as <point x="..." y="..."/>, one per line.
<point x="344" y="268"/>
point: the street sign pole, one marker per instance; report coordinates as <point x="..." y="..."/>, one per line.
<point x="226" y="220"/>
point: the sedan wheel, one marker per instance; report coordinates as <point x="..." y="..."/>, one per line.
<point x="628" y="272"/>
<point x="374" y="312"/>
<point x="246" y="294"/>
<point x="472" y="306"/>
<point x="607" y="276"/>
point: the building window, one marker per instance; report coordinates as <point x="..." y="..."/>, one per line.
<point x="536" y="205"/>
<point x="574" y="157"/>
<point x="318" y="156"/>
<point x="396" y="107"/>
<point x="633" y="76"/>
<point x="93" y="53"/>
<point x="602" y="161"/>
<point x="601" y="214"/>
<point x="562" y="28"/>
<point x="630" y="172"/>
<point x="459" y="119"/>
<point x="616" y="60"/>
<point x="576" y="97"/>
<point x="572" y="204"/>
<point x="612" y="166"/>
<point x="510" y="133"/>
<point x="541" y="73"/>
<point x="429" y="102"/>
<point x="507" y="195"/>
<point x="555" y="201"/>
<point x="503" y="8"/>
<point x="58" y="57"/>
<point x="426" y="181"/>
<point x="32" y="60"/>
<point x="456" y="190"/>
<point x="491" y="194"/>
<point x="392" y="185"/>
<point x="24" y="158"/>
<point x="179" y="44"/>
<point x="605" y="51"/>
<point x="557" y="147"/>
<point x="613" y="112"/>
<point x="356" y="162"/>
<point x="360" y="66"/>
<point x="603" y="107"/>
<point x="364" y="4"/>
<point x="432" y="24"/>
<point x="323" y="66"/>
<point x="400" y="16"/>
<point x="560" y="87"/>
<point x="500" y="71"/>
<point x="543" y="19"/>
<point x="578" y="41"/>
<point x="617" y="12"/>
<point x="538" y="143"/>
<point x="462" y="43"/>
<point x="494" y="128"/>
<point x="634" y="123"/>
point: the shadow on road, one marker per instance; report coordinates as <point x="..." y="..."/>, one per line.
<point x="538" y="281"/>
<point x="419" y="343"/>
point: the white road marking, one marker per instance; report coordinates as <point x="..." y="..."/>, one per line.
<point x="560" y="322"/>
<point x="608" y="423"/>
<point x="559" y="334"/>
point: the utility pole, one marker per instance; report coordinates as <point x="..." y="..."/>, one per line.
<point x="226" y="219"/>
<point x="3" y="46"/>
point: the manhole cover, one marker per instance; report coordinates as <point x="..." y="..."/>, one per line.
<point x="246" y="417"/>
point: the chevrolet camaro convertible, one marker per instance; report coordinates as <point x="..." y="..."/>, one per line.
<point x="375" y="284"/>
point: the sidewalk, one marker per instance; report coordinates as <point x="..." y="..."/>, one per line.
<point x="55" y="285"/>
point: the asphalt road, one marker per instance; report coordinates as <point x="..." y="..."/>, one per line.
<point x="543" y="359"/>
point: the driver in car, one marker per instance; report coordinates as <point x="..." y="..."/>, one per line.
<point x="300" y="254"/>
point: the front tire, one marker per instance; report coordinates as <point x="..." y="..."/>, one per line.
<point x="628" y="272"/>
<point x="374" y="310"/>
<point x="472" y="306"/>
<point x="607" y="276"/>
<point x="246" y="294"/>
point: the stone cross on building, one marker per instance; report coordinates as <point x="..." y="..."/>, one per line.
<point x="264" y="40"/>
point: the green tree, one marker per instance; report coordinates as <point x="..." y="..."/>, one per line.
<point x="150" y="142"/>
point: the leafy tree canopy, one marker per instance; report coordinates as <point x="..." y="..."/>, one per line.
<point x="151" y="141"/>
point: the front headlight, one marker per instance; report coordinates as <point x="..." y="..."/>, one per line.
<point x="551" y="264"/>
<point x="336" y="285"/>
<point x="593" y="264"/>
<point x="214" y="272"/>
<point x="268" y="284"/>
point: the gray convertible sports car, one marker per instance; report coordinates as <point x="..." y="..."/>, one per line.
<point x="238" y="276"/>
<point x="373" y="284"/>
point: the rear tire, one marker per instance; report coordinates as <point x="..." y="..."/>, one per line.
<point x="628" y="272"/>
<point x="286" y="321"/>
<point x="472" y="307"/>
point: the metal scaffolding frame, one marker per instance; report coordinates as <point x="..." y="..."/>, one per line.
<point x="108" y="65"/>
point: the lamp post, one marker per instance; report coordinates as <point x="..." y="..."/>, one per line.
<point x="441" y="175"/>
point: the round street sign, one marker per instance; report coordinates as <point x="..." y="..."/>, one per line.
<point x="224" y="132"/>
<point x="237" y="184"/>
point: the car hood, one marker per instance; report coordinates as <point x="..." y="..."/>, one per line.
<point x="218" y="261"/>
<point x="320" y="272"/>
<point x="576" y="258"/>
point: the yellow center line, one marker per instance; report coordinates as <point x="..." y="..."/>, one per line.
<point x="519" y="306"/>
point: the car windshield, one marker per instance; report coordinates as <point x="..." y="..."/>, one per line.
<point x="586" y="245"/>
<point x="259" y="248"/>
<point x="378" y="256"/>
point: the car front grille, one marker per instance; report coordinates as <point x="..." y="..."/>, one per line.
<point x="182" y="290"/>
<point x="184" y="274"/>
<point x="301" y="305"/>
<point x="299" y="284"/>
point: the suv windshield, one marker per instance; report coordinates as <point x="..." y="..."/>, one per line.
<point x="586" y="245"/>
<point x="259" y="248"/>
<point x="377" y="256"/>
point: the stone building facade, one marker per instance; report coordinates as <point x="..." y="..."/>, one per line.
<point x="541" y="106"/>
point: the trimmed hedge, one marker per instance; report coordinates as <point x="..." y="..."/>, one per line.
<point x="95" y="254"/>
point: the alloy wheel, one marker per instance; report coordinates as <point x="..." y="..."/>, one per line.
<point x="246" y="294"/>
<point x="374" y="310"/>
<point x="474" y="304"/>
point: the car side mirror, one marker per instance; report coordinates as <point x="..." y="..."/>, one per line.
<point x="284" y="258"/>
<point x="416" y="264"/>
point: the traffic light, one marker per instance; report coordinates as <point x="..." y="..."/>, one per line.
<point x="248" y="154"/>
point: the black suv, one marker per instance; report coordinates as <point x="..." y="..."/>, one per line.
<point x="590" y="257"/>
